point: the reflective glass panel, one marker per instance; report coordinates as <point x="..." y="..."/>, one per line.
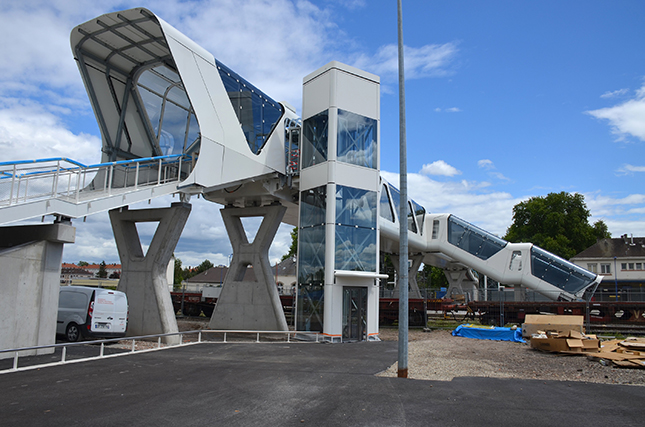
<point x="420" y="214"/>
<point x="311" y="255"/>
<point x="310" y="308"/>
<point x="558" y="272"/>
<point x="356" y="139"/>
<point x="314" y="141"/>
<point x="386" y="209"/>
<point x="167" y="105"/>
<point x="258" y="114"/>
<point x="411" y="224"/>
<point x="355" y="248"/>
<point x="355" y="207"/>
<point x="313" y="206"/>
<point x="396" y="200"/>
<point x="472" y="239"/>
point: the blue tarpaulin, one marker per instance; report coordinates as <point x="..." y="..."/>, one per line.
<point x="488" y="333"/>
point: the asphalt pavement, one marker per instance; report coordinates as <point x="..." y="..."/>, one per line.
<point x="285" y="384"/>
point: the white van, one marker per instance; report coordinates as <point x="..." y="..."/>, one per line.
<point x="91" y="312"/>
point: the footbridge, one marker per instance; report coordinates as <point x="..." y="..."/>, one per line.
<point x="175" y="120"/>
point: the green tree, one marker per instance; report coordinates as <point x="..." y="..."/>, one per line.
<point x="83" y="263"/>
<point x="293" y="249"/>
<point x="102" y="273"/>
<point x="431" y="277"/>
<point x="558" y="223"/>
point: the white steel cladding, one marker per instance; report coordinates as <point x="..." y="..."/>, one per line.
<point x="169" y="111"/>
<point x="357" y="136"/>
<point x="355" y="229"/>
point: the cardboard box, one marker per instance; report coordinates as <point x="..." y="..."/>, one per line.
<point x="561" y="324"/>
<point x="550" y="344"/>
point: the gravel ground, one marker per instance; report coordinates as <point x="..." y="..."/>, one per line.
<point x="439" y="356"/>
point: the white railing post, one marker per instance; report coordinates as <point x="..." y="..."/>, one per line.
<point x="13" y="181"/>
<point x="133" y="345"/>
<point x="257" y="339"/>
<point x="179" y="170"/>
<point x="64" y="355"/>
<point x="159" y="173"/>
<point x="55" y="180"/>
<point x="224" y="336"/>
<point x="78" y="184"/>
<point x="15" y="361"/>
<point x="111" y="173"/>
<point x="158" y="342"/>
<point x="26" y="188"/>
<point x="102" y="349"/>
<point x="136" y="177"/>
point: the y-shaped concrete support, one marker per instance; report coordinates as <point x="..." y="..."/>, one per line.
<point x="414" y="291"/>
<point x="461" y="282"/>
<point x="143" y="277"/>
<point x="246" y="305"/>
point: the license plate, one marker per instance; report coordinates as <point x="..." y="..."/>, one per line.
<point x="101" y="326"/>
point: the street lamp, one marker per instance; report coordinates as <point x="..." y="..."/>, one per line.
<point x="616" y="278"/>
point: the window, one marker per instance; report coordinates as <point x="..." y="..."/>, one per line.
<point x="314" y="141"/>
<point x="356" y="139"/>
<point x="631" y="265"/>
<point x="169" y="111"/>
<point x="593" y="267"/>
<point x="435" y="229"/>
<point x="623" y="266"/>
<point x="355" y="229"/>
<point x="386" y="209"/>
<point x="605" y="268"/>
<point x="639" y="266"/>
<point x="258" y="114"/>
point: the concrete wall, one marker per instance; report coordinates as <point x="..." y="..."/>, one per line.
<point x="29" y="284"/>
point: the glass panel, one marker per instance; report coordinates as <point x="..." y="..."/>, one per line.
<point x="313" y="206"/>
<point x="258" y="114"/>
<point x="311" y="255"/>
<point x="314" y="141"/>
<point x="420" y="213"/>
<point x="173" y="129"/>
<point x="396" y="200"/>
<point x="310" y="308"/>
<point x="386" y="208"/>
<point x="355" y="248"/>
<point x="411" y="224"/>
<point x="516" y="261"/>
<point x="472" y="239"/>
<point x="355" y="207"/>
<point x="166" y="103"/>
<point x="356" y="139"/>
<point x="558" y="272"/>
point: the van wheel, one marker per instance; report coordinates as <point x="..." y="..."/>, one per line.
<point x="73" y="332"/>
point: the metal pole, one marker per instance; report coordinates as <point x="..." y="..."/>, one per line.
<point x="403" y="214"/>
<point x="615" y="279"/>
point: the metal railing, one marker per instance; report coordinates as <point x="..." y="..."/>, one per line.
<point x="32" y="180"/>
<point x="226" y="335"/>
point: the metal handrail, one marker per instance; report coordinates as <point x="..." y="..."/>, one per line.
<point x="102" y="355"/>
<point x="28" y="180"/>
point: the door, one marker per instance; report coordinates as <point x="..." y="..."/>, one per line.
<point x="354" y="313"/>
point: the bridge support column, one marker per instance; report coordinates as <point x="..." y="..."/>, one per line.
<point x="30" y="262"/>
<point x="460" y="284"/>
<point x="244" y="304"/>
<point x="143" y="276"/>
<point x="413" y="286"/>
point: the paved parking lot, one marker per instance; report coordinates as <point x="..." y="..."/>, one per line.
<point x="295" y="384"/>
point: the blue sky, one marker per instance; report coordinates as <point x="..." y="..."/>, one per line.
<point x="505" y="99"/>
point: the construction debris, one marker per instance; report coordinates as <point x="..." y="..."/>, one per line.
<point x="627" y="353"/>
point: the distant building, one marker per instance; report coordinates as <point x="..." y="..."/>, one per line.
<point x="70" y="272"/>
<point x="285" y="276"/>
<point x="621" y="262"/>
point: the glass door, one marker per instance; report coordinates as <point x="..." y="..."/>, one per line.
<point x="354" y="313"/>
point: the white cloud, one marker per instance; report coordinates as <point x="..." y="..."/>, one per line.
<point x="614" y="93"/>
<point x="486" y="164"/>
<point x="439" y="167"/>
<point x="627" y="118"/>
<point x="629" y="169"/>
<point x="453" y="110"/>
<point x="432" y="60"/>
